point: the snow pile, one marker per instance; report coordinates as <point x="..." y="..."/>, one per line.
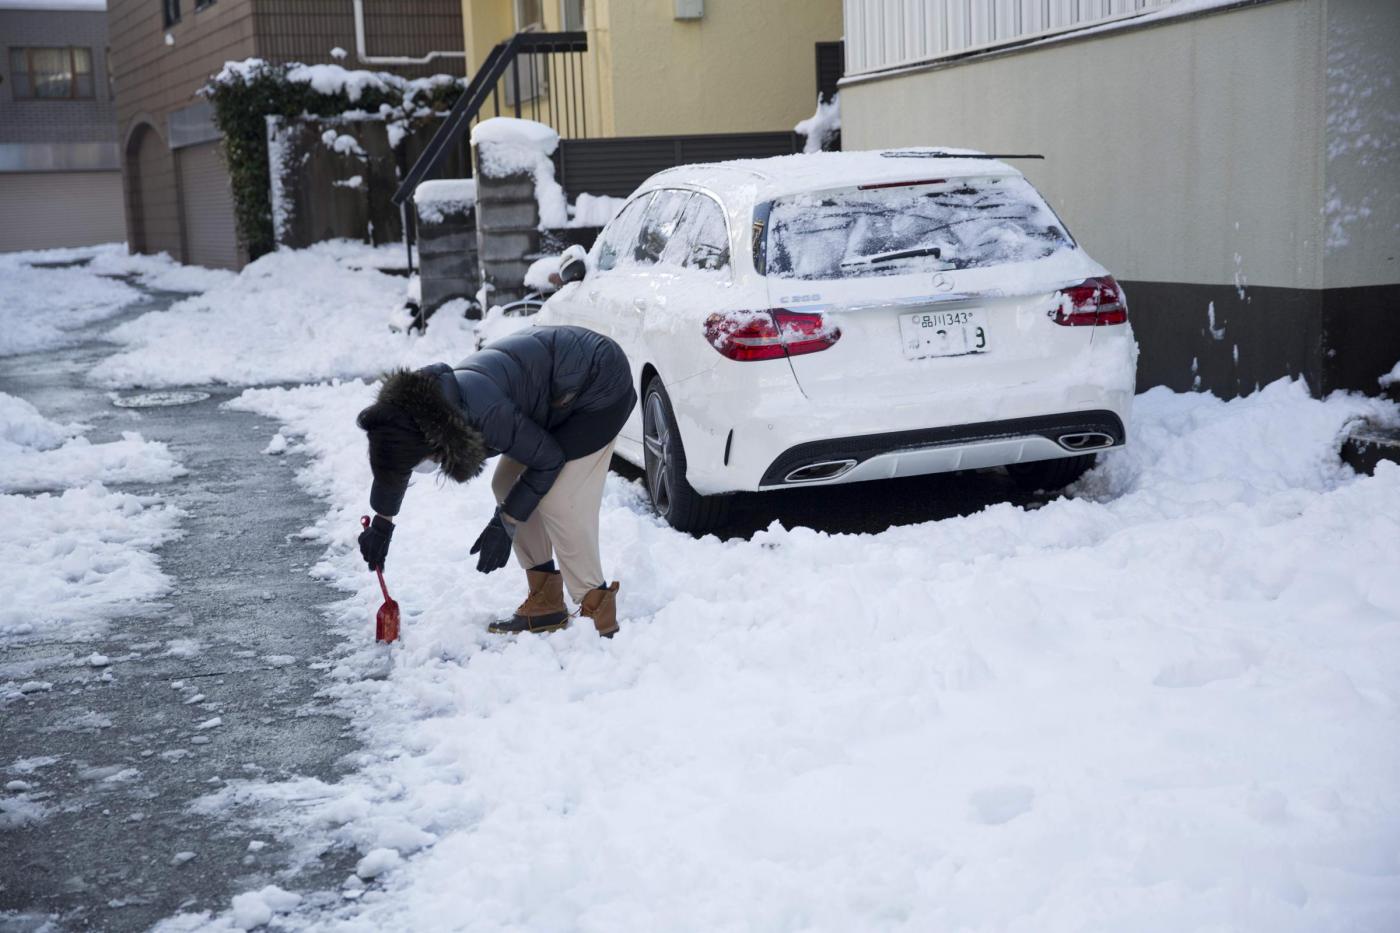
<point x="76" y="559"/>
<point x="434" y="199"/>
<point x="129" y="460"/>
<point x="45" y="308"/>
<point x="336" y="79"/>
<point x="343" y="143"/>
<point x="495" y="324"/>
<point x="41" y="454"/>
<point x="822" y="125"/>
<point x="81" y="556"/>
<point x="511" y="146"/>
<point x="158" y="272"/>
<point x="291" y="315"/>
<point x="594" y="210"/>
<point x="46" y="305"/>
<point x="542" y="275"/>
<point x="1172" y="697"/>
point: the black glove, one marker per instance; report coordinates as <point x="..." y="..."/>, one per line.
<point x="374" y="542"/>
<point x="494" y="544"/>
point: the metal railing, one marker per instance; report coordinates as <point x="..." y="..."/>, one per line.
<point x="539" y="75"/>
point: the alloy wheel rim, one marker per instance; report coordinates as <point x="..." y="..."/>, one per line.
<point x="657" y="441"/>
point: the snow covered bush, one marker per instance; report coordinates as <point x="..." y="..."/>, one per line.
<point x="244" y="94"/>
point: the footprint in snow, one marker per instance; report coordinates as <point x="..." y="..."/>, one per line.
<point x="993" y="806"/>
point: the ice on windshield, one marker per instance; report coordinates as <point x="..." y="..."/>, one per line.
<point x="894" y="231"/>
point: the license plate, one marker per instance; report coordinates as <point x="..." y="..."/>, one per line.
<point x="943" y="333"/>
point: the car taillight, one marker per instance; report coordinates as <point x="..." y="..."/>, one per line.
<point x="1093" y="302"/>
<point x="768" y="335"/>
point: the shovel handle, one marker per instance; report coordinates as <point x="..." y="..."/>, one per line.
<point x="379" y="571"/>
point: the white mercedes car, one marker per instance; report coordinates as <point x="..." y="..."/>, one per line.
<point x="842" y="317"/>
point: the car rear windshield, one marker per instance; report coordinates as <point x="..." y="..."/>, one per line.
<point x="895" y="231"/>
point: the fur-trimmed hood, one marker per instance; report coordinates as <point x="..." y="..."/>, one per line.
<point x="419" y="394"/>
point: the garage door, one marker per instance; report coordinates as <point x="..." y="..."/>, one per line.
<point x="60" y="209"/>
<point x="210" y="236"/>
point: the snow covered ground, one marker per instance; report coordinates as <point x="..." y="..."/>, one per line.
<point x="1167" y="703"/>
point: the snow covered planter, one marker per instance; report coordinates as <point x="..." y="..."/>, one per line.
<point x="246" y="94"/>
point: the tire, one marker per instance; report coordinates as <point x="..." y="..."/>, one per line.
<point x="1050" y="475"/>
<point x="672" y="497"/>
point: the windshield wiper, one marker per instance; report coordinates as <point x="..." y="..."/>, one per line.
<point x="935" y="251"/>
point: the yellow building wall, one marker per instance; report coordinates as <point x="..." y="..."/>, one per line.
<point x="746" y="66"/>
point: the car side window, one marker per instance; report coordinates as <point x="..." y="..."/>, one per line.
<point x="707" y="237"/>
<point x="618" y="240"/>
<point x="662" y="218"/>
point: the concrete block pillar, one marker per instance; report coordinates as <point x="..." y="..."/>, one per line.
<point x="507" y="230"/>
<point x="447" y="243"/>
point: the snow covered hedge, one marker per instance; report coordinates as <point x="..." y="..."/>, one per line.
<point x="244" y="94"/>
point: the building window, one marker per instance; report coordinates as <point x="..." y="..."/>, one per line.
<point x="51" y="74"/>
<point x="202" y="5"/>
<point x="572" y="17"/>
<point x="171" y="10"/>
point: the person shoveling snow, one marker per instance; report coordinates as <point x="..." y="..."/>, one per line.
<point x="550" y="401"/>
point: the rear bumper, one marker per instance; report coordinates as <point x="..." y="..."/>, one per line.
<point x="944" y="449"/>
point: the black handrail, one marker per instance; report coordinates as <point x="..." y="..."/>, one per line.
<point x="482" y="84"/>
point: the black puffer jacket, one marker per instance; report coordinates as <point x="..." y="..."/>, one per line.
<point x="540" y="397"/>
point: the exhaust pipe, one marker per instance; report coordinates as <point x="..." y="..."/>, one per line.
<point x="1086" y="440"/>
<point x="815" y="472"/>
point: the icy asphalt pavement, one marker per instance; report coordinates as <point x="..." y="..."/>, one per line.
<point x="216" y="681"/>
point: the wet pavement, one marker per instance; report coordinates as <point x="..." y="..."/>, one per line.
<point x="217" y="681"/>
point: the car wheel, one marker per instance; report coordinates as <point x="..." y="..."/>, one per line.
<point x="671" y="496"/>
<point x="1050" y="475"/>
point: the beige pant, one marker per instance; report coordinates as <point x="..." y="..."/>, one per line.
<point x="564" y="526"/>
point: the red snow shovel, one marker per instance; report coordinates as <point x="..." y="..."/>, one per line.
<point x="386" y="622"/>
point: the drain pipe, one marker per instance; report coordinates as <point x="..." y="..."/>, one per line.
<point x="368" y="59"/>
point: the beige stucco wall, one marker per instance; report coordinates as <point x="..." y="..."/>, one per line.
<point x="1191" y="151"/>
<point x="1362" y="157"/>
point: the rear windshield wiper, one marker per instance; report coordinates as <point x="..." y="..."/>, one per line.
<point x="935" y="251"/>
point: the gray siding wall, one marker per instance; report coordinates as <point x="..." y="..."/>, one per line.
<point x="60" y="209"/>
<point x="1237" y="169"/>
<point x="1361" y="170"/>
<point x="1183" y="152"/>
<point x="56" y="121"/>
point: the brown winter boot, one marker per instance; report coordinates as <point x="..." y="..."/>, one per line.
<point x="542" y="611"/>
<point x="601" y="607"/>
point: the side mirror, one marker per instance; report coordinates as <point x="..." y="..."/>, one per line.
<point x="574" y="269"/>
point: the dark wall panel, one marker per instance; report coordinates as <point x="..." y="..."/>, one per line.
<point x="617" y="166"/>
<point x="1229" y="341"/>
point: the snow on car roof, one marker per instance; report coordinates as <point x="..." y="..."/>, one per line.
<point x="763" y="179"/>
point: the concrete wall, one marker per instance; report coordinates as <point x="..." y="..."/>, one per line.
<point x="1235" y="168"/>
